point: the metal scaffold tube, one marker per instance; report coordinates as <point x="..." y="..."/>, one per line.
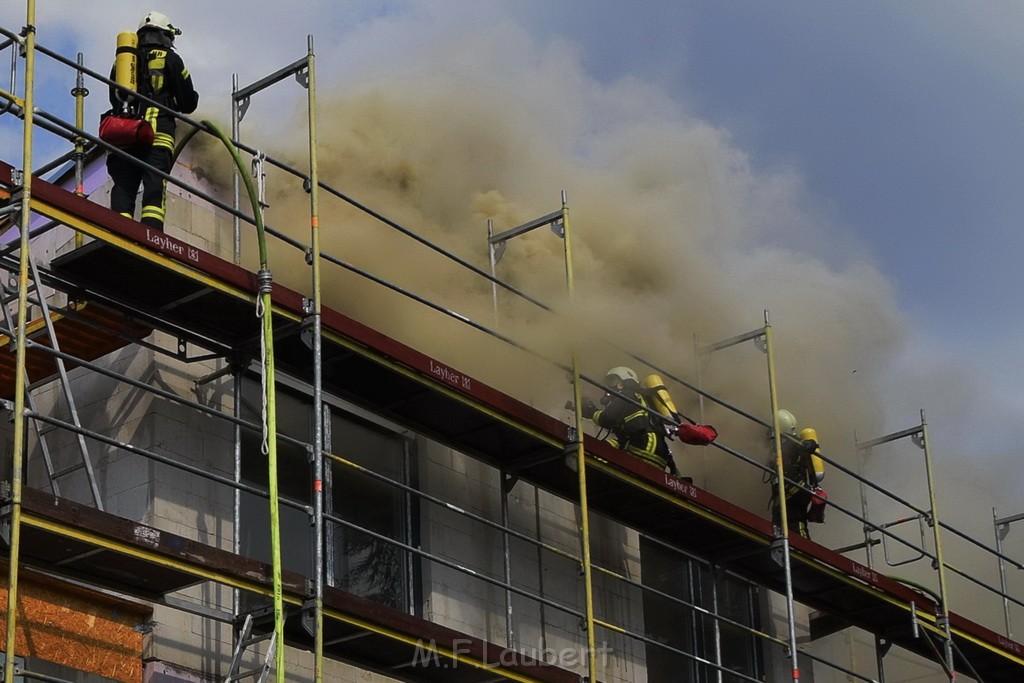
<point x="1001" y="527"/>
<point x="940" y="564"/>
<point x="240" y="99"/>
<point x="581" y="458"/>
<point x="18" y="451"/>
<point x="236" y="225"/>
<point x="318" y="412"/>
<point x="919" y="437"/>
<point x="783" y="535"/>
<point x="79" y="92"/>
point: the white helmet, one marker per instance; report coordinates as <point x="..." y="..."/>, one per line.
<point x="787" y="422"/>
<point x="159" y="20"/>
<point x="622" y="376"/>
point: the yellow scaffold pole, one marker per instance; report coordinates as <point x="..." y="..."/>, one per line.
<point x="80" y="92"/>
<point x="581" y="461"/>
<point x="781" y="493"/>
<point x="18" y="452"/>
<point x="318" y="416"/>
<point x="940" y="564"/>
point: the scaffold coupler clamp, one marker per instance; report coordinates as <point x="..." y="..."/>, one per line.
<point x="265" y="280"/>
<point x="22" y="37"/>
<point x="309" y="615"/>
<point x="307" y="333"/>
<point x="761" y="343"/>
<point x="776" y="549"/>
<point x="570" y="453"/>
<point x="7" y="500"/>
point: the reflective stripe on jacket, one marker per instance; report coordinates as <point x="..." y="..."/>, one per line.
<point x="164" y="79"/>
<point x="633" y="429"/>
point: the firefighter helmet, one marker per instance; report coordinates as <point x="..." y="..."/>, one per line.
<point x="159" y="21"/>
<point x="621" y="377"/>
<point x="787" y="422"/>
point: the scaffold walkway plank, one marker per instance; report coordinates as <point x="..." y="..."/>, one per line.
<point x="377" y="637"/>
<point x="434" y="399"/>
<point x="135" y="558"/>
<point x="98" y="548"/>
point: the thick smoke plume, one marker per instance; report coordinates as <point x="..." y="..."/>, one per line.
<point x="670" y="230"/>
<point x="441" y="118"/>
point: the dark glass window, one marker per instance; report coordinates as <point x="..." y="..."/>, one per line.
<point x="676" y="626"/>
<point x="361" y="560"/>
<point x="365" y="562"/>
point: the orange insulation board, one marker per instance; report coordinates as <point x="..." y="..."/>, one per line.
<point x="76" y="627"/>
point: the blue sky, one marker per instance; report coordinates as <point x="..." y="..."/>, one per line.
<point x="902" y="123"/>
<point x="901" y="118"/>
<point x="876" y="143"/>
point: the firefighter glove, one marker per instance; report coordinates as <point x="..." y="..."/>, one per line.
<point x="587" y="408"/>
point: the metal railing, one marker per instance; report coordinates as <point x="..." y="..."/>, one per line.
<point x="73" y="133"/>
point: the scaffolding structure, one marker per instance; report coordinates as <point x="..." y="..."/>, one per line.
<point x="207" y="312"/>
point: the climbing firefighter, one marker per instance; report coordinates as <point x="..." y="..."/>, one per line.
<point x="803" y="469"/>
<point x="161" y="76"/>
<point x="631" y="421"/>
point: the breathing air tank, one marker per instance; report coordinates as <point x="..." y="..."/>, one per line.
<point x="125" y="62"/>
<point x="817" y="464"/>
<point x="660" y="399"/>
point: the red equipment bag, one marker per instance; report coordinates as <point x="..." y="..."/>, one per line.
<point x="816" y="510"/>
<point x="696" y="435"/>
<point x="125" y="131"/>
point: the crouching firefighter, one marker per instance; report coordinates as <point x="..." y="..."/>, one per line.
<point x="632" y="423"/>
<point x="803" y="469"/>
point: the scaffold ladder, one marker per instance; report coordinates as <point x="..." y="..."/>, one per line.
<point x="244" y="642"/>
<point x="84" y="463"/>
